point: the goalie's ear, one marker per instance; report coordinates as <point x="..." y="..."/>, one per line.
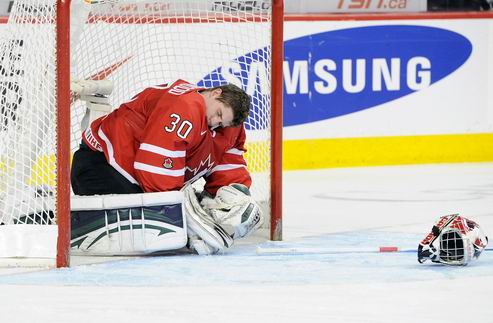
<point x="242" y="188"/>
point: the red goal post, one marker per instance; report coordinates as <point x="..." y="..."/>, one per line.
<point x="135" y="43"/>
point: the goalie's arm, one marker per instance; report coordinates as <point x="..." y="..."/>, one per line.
<point x="232" y="168"/>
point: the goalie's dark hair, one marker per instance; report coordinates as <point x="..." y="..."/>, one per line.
<point x="236" y="98"/>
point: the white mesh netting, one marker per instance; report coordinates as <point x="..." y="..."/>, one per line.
<point x="135" y="44"/>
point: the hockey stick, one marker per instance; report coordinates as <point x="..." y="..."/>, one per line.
<point x="265" y="251"/>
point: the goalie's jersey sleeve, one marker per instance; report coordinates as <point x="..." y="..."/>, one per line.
<point x="160" y="139"/>
<point x="231" y="165"/>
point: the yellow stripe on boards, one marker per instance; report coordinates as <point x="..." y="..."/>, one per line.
<point x="257" y="156"/>
<point x="378" y="151"/>
<point x="340" y="152"/>
<point x="43" y="171"/>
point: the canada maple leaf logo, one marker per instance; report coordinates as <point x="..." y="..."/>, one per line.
<point x="168" y="163"/>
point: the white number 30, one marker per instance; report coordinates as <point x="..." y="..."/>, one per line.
<point x="184" y="127"/>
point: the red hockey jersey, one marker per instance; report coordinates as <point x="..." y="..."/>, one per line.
<point x="160" y="140"/>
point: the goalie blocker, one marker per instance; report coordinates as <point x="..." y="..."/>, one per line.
<point x="145" y="223"/>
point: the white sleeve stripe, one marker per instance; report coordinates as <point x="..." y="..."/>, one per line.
<point x="159" y="170"/>
<point x="235" y="151"/>
<point x="112" y="160"/>
<point x="161" y="87"/>
<point x="220" y="168"/>
<point x="162" y="151"/>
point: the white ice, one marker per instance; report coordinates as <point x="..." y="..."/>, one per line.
<point x="336" y="208"/>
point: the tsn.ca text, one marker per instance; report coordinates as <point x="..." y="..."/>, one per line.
<point x="371" y="4"/>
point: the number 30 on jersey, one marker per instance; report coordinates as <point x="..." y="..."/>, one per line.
<point x="181" y="127"/>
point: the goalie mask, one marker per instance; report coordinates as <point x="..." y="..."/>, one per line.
<point x="453" y="240"/>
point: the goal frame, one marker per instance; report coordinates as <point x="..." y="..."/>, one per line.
<point x="63" y="129"/>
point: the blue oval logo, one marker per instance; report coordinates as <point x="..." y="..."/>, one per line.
<point x="250" y="73"/>
<point x="335" y="73"/>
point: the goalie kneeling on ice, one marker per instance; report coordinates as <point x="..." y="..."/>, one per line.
<point x="127" y="224"/>
<point x="453" y="240"/>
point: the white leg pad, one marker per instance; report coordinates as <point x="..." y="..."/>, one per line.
<point x="202" y="225"/>
<point x="127" y="224"/>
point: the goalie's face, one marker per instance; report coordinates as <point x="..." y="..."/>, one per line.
<point x="218" y="113"/>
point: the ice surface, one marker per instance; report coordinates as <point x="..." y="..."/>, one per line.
<point x="337" y="208"/>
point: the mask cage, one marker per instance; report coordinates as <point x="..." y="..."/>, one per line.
<point x="452" y="248"/>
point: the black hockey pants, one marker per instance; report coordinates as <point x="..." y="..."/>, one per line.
<point x="91" y="174"/>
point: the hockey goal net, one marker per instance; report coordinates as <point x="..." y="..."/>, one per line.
<point x="135" y="44"/>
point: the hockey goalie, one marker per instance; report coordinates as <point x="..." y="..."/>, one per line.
<point x="135" y="167"/>
<point x="146" y="223"/>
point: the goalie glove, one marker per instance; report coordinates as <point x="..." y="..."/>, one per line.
<point x="235" y="210"/>
<point x="205" y="235"/>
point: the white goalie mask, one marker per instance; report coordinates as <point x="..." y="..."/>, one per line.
<point x="453" y="240"/>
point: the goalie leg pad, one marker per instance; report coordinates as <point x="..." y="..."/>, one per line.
<point x="126" y="224"/>
<point x="198" y="245"/>
<point x="201" y="225"/>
